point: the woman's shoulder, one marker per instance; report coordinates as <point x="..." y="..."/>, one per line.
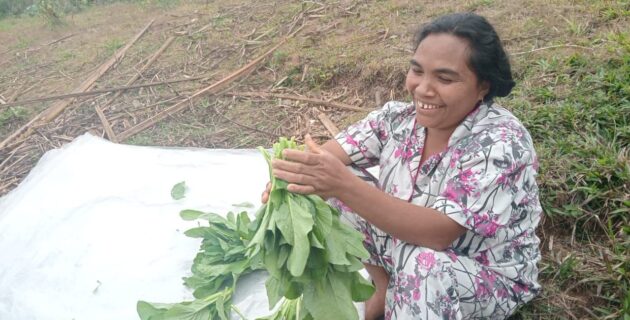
<point x="496" y="120"/>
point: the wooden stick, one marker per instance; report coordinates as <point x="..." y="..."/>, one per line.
<point x="54" y="110"/>
<point x="212" y="89"/>
<point x="337" y="105"/>
<point x="551" y="47"/>
<point x="143" y="69"/>
<point x="330" y="126"/>
<point x="95" y="92"/>
<point x="108" y="128"/>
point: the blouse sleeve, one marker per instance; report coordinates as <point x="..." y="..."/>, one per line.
<point x="364" y="140"/>
<point x="489" y="178"/>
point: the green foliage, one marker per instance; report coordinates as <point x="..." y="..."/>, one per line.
<point x="578" y="112"/>
<point x="12" y="114"/>
<point x="221" y="260"/>
<point x="112" y="45"/>
<point x="178" y="191"/>
<point x="311" y="256"/>
<point x="308" y="251"/>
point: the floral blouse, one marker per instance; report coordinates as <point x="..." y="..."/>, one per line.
<point x="484" y="180"/>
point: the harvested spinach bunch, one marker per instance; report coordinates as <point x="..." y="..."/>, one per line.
<point x="222" y="258"/>
<point x="308" y="252"/>
<point x="312" y="257"/>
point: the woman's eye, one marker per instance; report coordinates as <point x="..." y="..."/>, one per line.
<point x="446" y="80"/>
<point x="417" y="71"/>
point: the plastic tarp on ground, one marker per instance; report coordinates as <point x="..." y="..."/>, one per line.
<point x="93" y="228"/>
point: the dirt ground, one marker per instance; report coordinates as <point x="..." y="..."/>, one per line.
<point x="339" y="53"/>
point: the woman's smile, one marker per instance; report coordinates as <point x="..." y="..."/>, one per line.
<point x="426" y="106"/>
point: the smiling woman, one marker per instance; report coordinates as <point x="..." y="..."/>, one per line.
<point x="450" y="222"/>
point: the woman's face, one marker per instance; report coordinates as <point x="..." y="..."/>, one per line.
<point x="444" y="89"/>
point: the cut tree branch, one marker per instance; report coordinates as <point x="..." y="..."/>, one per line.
<point x="57" y="108"/>
<point x="212" y="89"/>
<point x="95" y="92"/>
<point x="331" y="104"/>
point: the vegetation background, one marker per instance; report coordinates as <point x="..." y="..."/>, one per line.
<point x="571" y="59"/>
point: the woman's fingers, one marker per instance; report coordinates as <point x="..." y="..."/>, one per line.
<point x="296" y="188"/>
<point x="300" y="156"/>
<point x="290" y="166"/>
<point x="311" y="145"/>
<point x="265" y="195"/>
<point x="292" y="177"/>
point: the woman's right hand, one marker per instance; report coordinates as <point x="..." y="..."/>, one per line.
<point x="265" y="195"/>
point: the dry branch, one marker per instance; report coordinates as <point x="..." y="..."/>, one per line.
<point x="95" y="92"/>
<point x="328" y="124"/>
<point x="551" y="47"/>
<point x="106" y="126"/>
<point x="212" y="89"/>
<point x="331" y="104"/>
<point x="143" y="69"/>
<point x="54" y="110"/>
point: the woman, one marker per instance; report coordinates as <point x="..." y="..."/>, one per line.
<point x="450" y="224"/>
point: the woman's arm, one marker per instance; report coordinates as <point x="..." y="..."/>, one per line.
<point x="320" y="171"/>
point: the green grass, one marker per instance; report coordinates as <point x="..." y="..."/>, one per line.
<point x="582" y="136"/>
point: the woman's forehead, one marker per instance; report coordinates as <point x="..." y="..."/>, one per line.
<point x="443" y="51"/>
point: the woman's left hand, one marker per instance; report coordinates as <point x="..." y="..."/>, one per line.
<point x="314" y="171"/>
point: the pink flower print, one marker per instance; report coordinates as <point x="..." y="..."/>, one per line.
<point x="485" y="226"/>
<point x="484" y="286"/>
<point x="351" y="141"/>
<point x="450" y="192"/>
<point x="481" y="290"/>
<point x="502" y="293"/>
<point x="402" y="152"/>
<point x="387" y="260"/>
<point x="488" y="277"/>
<point x="519" y="288"/>
<point x="405" y="151"/>
<point x="457" y="153"/>
<point x="483" y="258"/>
<point x="379" y="128"/>
<point x="426" y="260"/>
<point x="451" y="254"/>
<point x="416" y="294"/>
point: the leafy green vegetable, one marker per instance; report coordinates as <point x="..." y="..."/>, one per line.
<point x="309" y="253"/>
<point x="312" y="258"/>
<point x="216" y="268"/>
<point x="178" y="191"/>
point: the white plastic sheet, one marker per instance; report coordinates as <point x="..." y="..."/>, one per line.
<point x="93" y="228"/>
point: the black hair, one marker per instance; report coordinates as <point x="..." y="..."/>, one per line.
<point x="488" y="59"/>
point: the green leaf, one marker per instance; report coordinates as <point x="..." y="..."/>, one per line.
<point x="178" y="191"/>
<point x="361" y="288"/>
<point x="199" y="232"/>
<point x="353" y="240"/>
<point x="330" y="298"/>
<point x="243" y="205"/>
<point x="335" y="246"/>
<point x="189" y="215"/>
<point x="274" y="291"/>
<point x="302" y="223"/>
<point x="151" y="311"/>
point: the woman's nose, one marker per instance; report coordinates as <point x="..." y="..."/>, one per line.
<point x="424" y="88"/>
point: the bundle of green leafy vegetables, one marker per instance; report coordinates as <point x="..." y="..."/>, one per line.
<point x="222" y="259"/>
<point x="308" y="251"/>
<point x="313" y="259"/>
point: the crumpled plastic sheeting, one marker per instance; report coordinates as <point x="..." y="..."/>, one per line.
<point x="93" y="228"/>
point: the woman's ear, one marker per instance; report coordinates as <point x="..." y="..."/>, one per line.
<point x="484" y="88"/>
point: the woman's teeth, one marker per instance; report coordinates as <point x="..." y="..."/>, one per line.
<point x="426" y="106"/>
